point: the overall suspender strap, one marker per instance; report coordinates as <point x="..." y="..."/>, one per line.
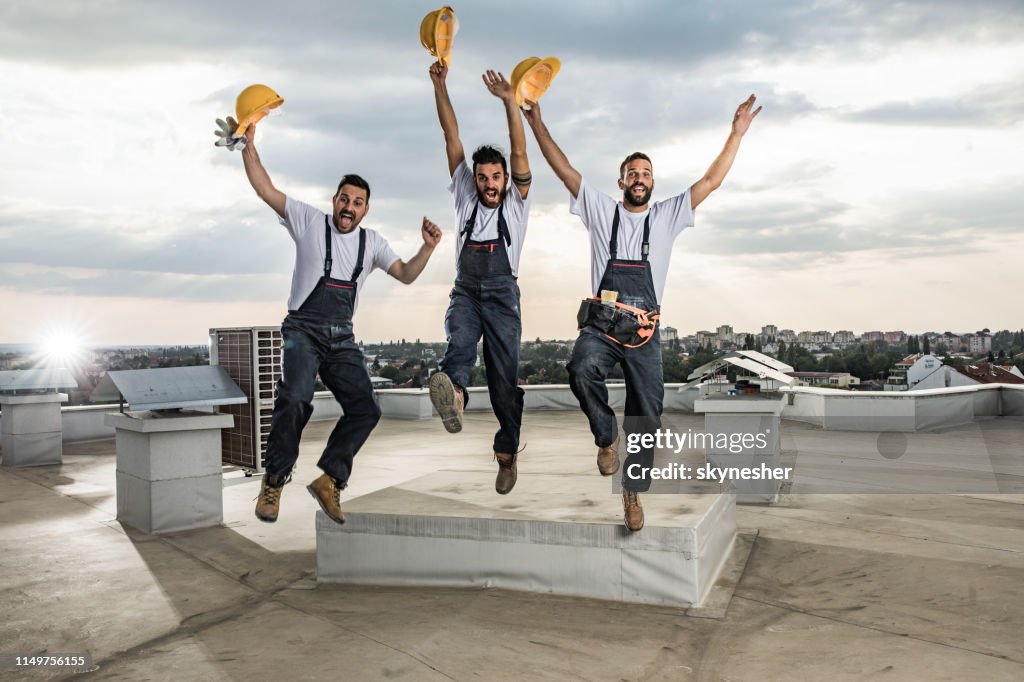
<point x="503" y="232"/>
<point x="327" y="251"/>
<point x="613" y="245"/>
<point x="359" y="257"/>
<point x="645" y="248"/>
<point x="467" y="229"/>
<point x="328" y="261"/>
<point x="503" y="226"/>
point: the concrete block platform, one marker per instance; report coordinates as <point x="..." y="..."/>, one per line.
<point x="169" y="474"/>
<point x="30" y="429"/>
<point x="742" y="416"/>
<point x="555" y="533"/>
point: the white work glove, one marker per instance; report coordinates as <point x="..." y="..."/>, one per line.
<point x="227" y="135"/>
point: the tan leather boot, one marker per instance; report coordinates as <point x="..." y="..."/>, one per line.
<point x="268" y="504"/>
<point x="506" y="479"/>
<point x="633" y="512"/>
<point x="327" y="492"/>
<point x="447" y="400"/>
<point x="608" y="458"/>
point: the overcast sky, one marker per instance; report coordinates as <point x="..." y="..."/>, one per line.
<point x="880" y="187"/>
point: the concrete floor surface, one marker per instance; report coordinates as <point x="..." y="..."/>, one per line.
<point x="837" y="587"/>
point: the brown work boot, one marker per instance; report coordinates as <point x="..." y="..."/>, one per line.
<point x="448" y="401"/>
<point x="506" y="479"/>
<point x="327" y="492"/>
<point x="633" y="511"/>
<point x="608" y="458"/>
<point x="268" y="504"/>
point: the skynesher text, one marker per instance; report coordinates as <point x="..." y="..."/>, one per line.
<point x="707" y="472"/>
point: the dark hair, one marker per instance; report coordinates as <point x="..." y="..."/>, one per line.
<point x="355" y="181"/>
<point x="489" y="154"/>
<point x="633" y="157"/>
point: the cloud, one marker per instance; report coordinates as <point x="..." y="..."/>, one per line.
<point x="992" y="105"/>
<point x="146" y="284"/>
<point x="340" y="35"/>
<point x="887" y="134"/>
<point x="923" y="224"/>
<point x="228" y="243"/>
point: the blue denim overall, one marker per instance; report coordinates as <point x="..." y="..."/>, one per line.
<point x="318" y="338"/>
<point x="485" y="302"/>
<point x="594" y="354"/>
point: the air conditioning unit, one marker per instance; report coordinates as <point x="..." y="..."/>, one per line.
<point x="252" y="358"/>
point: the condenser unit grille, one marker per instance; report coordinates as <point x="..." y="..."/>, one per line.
<point x="252" y="357"/>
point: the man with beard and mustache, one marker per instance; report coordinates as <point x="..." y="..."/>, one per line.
<point x="491" y="219"/>
<point x="333" y="257"/>
<point x="630" y="247"/>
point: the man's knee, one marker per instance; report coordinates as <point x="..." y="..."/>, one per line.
<point x="291" y="398"/>
<point x="367" y="410"/>
<point x="650" y="401"/>
<point x="505" y="395"/>
<point x="462" y="327"/>
<point x="463" y="349"/>
<point x="458" y="361"/>
<point x="584" y="368"/>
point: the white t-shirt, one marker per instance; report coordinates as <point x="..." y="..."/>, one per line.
<point x="668" y="219"/>
<point x="306" y="226"/>
<point x="517" y="212"/>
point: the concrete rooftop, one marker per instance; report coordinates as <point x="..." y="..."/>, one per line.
<point x="837" y="587"/>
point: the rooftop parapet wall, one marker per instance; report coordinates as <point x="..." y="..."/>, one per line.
<point x="905" y="411"/>
<point x="828" y="408"/>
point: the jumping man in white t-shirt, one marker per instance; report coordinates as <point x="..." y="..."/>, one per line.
<point x="333" y="258"/>
<point x="630" y="247"/>
<point x="491" y="222"/>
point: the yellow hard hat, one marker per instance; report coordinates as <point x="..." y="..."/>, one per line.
<point x="437" y="33"/>
<point x="532" y="77"/>
<point x="253" y="104"/>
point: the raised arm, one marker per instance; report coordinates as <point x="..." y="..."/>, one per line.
<point x="406" y="272"/>
<point x="258" y="177"/>
<point x="500" y="88"/>
<point x="569" y="176"/>
<point x="716" y="173"/>
<point x="446" y="115"/>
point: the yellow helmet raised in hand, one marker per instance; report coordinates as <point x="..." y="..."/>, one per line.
<point x="253" y="104"/>
<point x="532" y="77"/>
<point x="437" y="33"/>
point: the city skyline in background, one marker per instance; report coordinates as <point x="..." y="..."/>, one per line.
<point x="724" y="335"/>
<point x="877" y="189"/>
<point x="870" y="361"/>
<point x="784" y="333"/>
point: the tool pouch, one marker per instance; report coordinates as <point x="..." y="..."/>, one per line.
<point x="623" y="324"/>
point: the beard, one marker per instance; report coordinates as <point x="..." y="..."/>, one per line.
<point x="631" y="199"/>
<point x="486" y="202"/>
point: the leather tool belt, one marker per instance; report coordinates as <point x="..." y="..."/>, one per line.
<point x="625" y="325"/>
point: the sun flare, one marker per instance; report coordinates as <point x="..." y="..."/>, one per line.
<point x="63" y="348"/>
